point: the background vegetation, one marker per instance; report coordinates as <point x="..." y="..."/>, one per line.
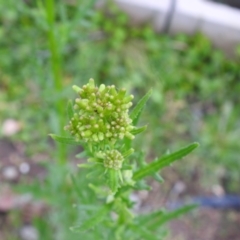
<point x="46" y="48"/>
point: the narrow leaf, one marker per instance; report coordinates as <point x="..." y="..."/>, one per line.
<point x="82" y="154"/>
<point x="143" y="232"/>
<point x="93" y="221"/>
<point x="128" y="152"/>
<point x="163" y="162"/>
<point x="147" y="219"/>
<point x="158" y="177"/>
<point x="134" y="115"/>
<point x="96" y="173"/>
<point x="168" y="216"/>
<point x="113" y="179"/>
<point x="85" y="165"/>
<point x="127" y="143"/>
<point x="65" y="140"/>
<point x="70" y="109"/>
<point x="138" y="130"/>
<point x="142" y="185"/>
<point x="76" y="186"/>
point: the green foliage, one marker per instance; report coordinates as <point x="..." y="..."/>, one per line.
<point x="195" y="97"/>
<point x="93" y="221"/>
<point x="135" y="113"/>
<point x="163" y="162"/>
<point x="65" y="140"/>
<point x="70" y="109"/>
<point x="107" y="162"/>
<point x="153" y="220"/>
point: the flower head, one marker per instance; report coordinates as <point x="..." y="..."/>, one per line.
<point x="101" y="113"/>
<point x="112" y="159"/>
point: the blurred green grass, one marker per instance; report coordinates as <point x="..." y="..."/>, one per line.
<point x="195" y="87"/>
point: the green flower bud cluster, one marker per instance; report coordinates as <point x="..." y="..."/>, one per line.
<point x="112" y="159"/>
<point x="101" y="113"/>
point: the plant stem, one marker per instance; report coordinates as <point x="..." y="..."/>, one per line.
<point x="56" y="66"/>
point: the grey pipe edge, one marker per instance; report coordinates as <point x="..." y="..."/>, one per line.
<point x="169" y="16"/>
<point x="159" y="14"/>
<point x="220" y="23"/>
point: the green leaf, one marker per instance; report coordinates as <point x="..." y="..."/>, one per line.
<point x="128" y="152"/>
<point x="82" y="154"/>
<point x="135" y="113"/>
<point x="65" y="140"/>
<point x="96" y="173"/>
<point x="143" y="232"/>
<point x="127" y="143"/>
<point x="113" y="179"/>
<point x="163" y="162"/>
<point x="138" y="130"/>
<point x="156" y="219"/>
<point x="85" y="165"/>
<point x="70" y="109"/>
<point x="76" y="186"/>
<point x="158" y="177"/>
<point x="93" y="221"/>
<point x="142" y="185"/>
<point x="168" y="216"/>
<point x="147" y="219"/>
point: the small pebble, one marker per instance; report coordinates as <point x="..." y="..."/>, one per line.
<point x="28" y="232"/>
<point x="24" y="168"/>
<point x="179" y="187"/>
<point x="10" y="173"/>
<point x="10" y="127"/>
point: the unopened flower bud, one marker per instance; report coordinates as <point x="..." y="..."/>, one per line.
<point x="103" y="112"/>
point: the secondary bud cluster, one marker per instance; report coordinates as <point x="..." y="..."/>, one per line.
<point x="101" y="113"/>
<point x="112" y="159"/>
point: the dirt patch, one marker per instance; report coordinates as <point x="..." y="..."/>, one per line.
<point x="206" y="224"/>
